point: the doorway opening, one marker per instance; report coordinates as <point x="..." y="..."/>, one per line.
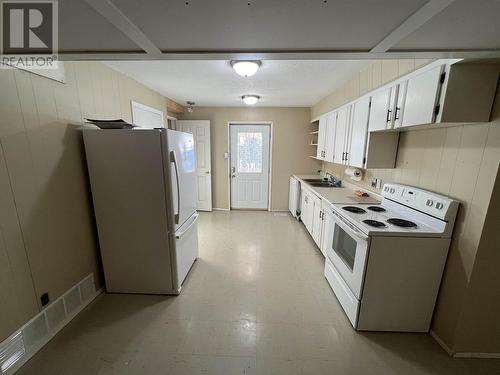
<point x="250" y="165"/>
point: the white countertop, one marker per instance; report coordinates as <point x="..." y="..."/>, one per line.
<point x="342" y="195"/>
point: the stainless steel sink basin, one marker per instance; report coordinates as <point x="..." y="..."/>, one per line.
<point x="322" y="184"/>
<point x="313" y="180"/>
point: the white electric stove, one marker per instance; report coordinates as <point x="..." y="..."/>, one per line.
<point x="385" y="262"/>
<point x="404" y="211"/>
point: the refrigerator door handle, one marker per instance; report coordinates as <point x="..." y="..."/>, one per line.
<point x="180" y="234"/>
<point x="173" y="159"/>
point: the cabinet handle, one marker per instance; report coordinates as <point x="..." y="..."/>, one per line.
<point x="346" y="156"/>
<point x="396" y="114"/>
<point x="388" y="115"/>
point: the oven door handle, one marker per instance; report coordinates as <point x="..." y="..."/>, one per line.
<point x="349" y="227"/>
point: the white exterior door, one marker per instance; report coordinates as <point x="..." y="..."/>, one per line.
<point x="201" y="134"/>
<point x="249" y="172"/>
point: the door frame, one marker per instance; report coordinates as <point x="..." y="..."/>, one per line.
<point x="269" y="189"/>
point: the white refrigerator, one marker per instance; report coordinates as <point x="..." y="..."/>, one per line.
<point x="143" y="185"/>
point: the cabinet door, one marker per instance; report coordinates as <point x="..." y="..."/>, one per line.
<point x="400" y="105"/>
<point x="422" y="97"/>
<point x="381" y="109"/>
<point x="327" y="230"/>
<point x="316" y="219"/>
<point x="303" y="207"/>
<point x="322" y="130"/>
<point x="341" y="135"/>
<point x="292" y="196"/>
<point x="306" y="211"/>
<point x="330" y="137"/>
<point x="358" y="133"/>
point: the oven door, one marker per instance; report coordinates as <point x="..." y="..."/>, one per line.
<point x="347" y="249"/>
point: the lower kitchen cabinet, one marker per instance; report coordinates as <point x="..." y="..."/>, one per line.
<point x="327" y="228"/>
<point x="316" y="219"/>
<point x="311" y="214"/>
<point x="315" y="214"/>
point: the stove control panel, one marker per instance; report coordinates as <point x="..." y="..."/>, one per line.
<point x="425" y="201"/>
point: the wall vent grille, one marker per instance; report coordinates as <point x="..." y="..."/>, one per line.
<point x="35" y="331"/>
<point x="55" y="314"/>
<point x="11" y="351"/>
<point x="72" y="300"/>
<point x="31" y="337"/>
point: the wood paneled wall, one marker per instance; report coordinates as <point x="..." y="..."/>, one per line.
<point x="460" y="162"/>
<point x="47" y="233"/>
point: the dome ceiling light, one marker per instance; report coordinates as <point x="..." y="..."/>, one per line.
<point x="246" y="68"/>
<point x="250" y="99"/>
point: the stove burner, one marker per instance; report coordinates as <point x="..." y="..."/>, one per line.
<point x="376" y="208"/>
<point x="374" y="223"/>
<point x="354" y="210"/>
<point x="402" y="223"/>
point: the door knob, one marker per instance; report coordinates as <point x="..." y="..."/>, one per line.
<point x="233" y="176"/>
<point x="207" y="172"/>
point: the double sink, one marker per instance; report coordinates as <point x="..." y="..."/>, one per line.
<point x="317" y="182"/>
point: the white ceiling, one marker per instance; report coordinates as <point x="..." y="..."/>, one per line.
<point x="280" y="83"/>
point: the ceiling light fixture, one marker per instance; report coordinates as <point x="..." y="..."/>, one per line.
<point x="190" y="106"/>
<point x="246" y="68"/>
<point x="250" y="99"/>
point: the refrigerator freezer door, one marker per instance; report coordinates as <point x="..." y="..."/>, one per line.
<point x="186" y="247"/>
<point x="183" y="175"/>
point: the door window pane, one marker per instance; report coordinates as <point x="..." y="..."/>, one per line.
<point x="345" y="246"/>
<point x="249" y="152"/>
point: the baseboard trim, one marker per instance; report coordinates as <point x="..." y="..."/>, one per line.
<point x="441" y="343"/>
<point x="220" y="209"/>
<point x="477" y="355"/>
<point x="462" y="354"/>
<point x="17" y="344"/>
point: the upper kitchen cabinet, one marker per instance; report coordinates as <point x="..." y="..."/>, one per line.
<point x="419" y="96"/>
<point x="467" y="93"/>
<point x="446" y="93"/>
<point x="331" y="124"/>
<point x="341" y="135"/>
<point x="326" y="137"/>
<point x="382" y="108"/>
<point x="322" y="129"/>
<point x="357" y="137"/>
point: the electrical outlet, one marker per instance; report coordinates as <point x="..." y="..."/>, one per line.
<point x="45" y="299"/>
<point x="377" y="183"/>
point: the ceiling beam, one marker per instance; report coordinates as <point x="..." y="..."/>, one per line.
<point x="411" y="24"/>
<point x="116" y="17"/>
<point x="279" y="55"/>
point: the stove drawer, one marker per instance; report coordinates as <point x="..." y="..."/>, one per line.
<point x="349" y="302"/>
